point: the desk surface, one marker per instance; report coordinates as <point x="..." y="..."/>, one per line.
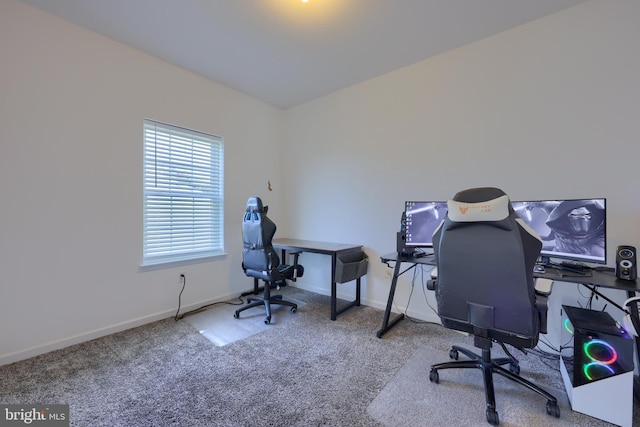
<point x="313" y="246"/>
<point x="393" y="256"/>
<point x="603" y="279"/>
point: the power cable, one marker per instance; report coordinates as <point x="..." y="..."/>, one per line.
<point x="204" y="307"/>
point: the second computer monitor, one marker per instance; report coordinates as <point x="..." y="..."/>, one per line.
<point x="421" y="220"/>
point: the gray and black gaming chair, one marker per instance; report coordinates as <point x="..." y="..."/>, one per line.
<point x="484" y="285"/>
<point x="260" y="260"/>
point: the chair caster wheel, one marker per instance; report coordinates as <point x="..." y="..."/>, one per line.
<point x="453" y="354"/>
<point x="492" y="417"/>
<point x="293" y="309"/>
<point x="434" y="377"/>
<point x="267" y="320"/>
<point x="553" y="409"/>
<point x="236" y="315"/>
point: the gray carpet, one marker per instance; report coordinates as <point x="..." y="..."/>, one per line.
<point x="460" y="395"/>
<point x="307" y="371"/>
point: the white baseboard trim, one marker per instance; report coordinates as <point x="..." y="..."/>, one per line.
<point x="17" y="356"/>
<point x="427" y="316"/>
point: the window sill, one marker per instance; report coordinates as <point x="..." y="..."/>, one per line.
<point x="160" y="265"/>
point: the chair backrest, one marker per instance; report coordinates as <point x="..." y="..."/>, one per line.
<point x="485" y="256"/>
<point x="257" y="231"/>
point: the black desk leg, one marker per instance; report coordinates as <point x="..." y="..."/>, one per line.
<point x="387" y="313"/>
<point x="334" y="287"/>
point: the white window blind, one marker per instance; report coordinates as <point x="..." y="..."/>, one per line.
<point x="183" y="194"/>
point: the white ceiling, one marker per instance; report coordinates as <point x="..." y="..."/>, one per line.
<point x="286" y="52"/>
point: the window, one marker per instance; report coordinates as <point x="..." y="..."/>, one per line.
<point x="183" y="194"/>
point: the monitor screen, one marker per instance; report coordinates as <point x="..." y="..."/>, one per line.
<point x="421" y="220"/>
<point x="571" y="229"/>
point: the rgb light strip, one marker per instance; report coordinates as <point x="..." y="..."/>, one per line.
<point x="567" y="326"/>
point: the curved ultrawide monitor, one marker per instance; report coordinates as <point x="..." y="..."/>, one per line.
<point x="573" y="229"/>
<point x="421" y="220"/>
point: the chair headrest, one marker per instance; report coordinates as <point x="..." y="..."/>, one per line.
<point x="479" y="205"/>
<point x="480" y="194"/>
<point x="254" y="204"/>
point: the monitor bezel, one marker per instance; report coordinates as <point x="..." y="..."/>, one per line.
<point x="578" y="258"/>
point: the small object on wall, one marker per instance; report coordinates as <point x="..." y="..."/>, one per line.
<point x="269" y="185"/>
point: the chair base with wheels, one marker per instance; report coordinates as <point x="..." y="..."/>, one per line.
<point x="489" y="366"/>
<point x="267" y="299"/>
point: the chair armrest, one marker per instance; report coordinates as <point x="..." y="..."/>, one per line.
<point x="543" y="287"/>
<point x="296" y="255"/>
<point x="542" y="308"/>
<point x="431" y="284"/>
<point x="543" y="290"/>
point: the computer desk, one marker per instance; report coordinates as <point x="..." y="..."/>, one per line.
<point x="593" y="280"/>
<point x="324" y="248"/>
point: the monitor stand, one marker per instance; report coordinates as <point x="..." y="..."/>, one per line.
<point x="407" y="252"/>
<point x="413" y="253"/>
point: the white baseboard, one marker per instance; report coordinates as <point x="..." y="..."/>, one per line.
<point x="428" y="316"/>
<point x="101" y="332"/>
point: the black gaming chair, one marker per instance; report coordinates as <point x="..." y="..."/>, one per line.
<point x="260" y="260"/>
<point x="484" y="286"/>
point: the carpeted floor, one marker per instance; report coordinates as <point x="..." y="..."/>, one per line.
<point x="461" y="388"/>
<point x="305" y="371"/>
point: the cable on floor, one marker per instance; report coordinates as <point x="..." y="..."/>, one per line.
<point x="204" y="307"/>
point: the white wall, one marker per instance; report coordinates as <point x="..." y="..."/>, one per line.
<point x="546" y="110"/>
<point x="549" y="109"/>
<point x="72" y="105"/>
